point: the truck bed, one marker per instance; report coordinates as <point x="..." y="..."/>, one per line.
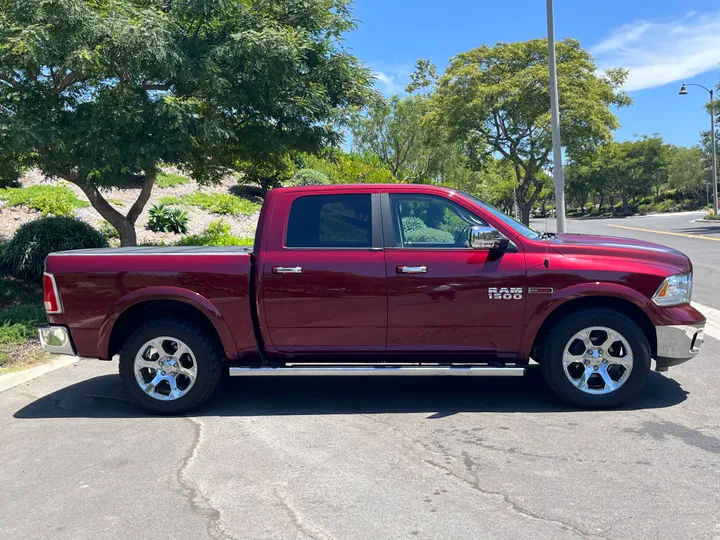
<point x="97" y="286"/>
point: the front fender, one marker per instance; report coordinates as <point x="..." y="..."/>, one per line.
<point x="542" y="311"/>
<point x="165" y="293"/>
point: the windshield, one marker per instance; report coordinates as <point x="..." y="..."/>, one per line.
<point x="510" y="222"/>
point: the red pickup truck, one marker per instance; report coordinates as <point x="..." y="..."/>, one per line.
<point x="377" y="280"/>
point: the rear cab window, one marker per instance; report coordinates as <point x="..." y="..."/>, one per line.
<point x="342" y="221"/>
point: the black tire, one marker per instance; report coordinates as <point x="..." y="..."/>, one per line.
<point x="208" y="359"/>
<point x="552" y="361"/>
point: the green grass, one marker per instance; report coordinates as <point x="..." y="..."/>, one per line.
<point x="165" y="180"/>
<point x="21" y="312"/>
<point x="47" y="199"/>
<point x="216" y="203"/>
<point x="217" y="234"/>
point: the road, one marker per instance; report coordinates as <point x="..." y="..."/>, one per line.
<point x="699" y="241"/>
<point x="377" y="459"/>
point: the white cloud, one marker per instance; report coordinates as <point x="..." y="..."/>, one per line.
<point x="391" y="79"/>
<point x="658" y="53"/>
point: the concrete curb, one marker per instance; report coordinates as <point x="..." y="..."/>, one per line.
<point x="11" y="380"/>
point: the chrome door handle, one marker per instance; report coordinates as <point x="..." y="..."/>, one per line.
<point x="287" y="270"/>
<point x="411" y="269"/>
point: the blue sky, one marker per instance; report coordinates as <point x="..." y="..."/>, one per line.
<point x="662" y="42"/>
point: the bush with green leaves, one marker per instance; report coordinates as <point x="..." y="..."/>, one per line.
<point x="217" y="234"/>
<point x="217" y="203"/>
<point x="428" y="235"/>
<point x="24" y="255"/>
<point x="165" y="218"/>
<point x="668" y="205"/>
<point x="45" y="198"/>
<point x="107" y="230"/>
<point x="310" y="177"/>
<point x="412" y="223"/>
<point x="165" y="180"/>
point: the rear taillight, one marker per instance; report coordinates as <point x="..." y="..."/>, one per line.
<point x="53" y="305"/>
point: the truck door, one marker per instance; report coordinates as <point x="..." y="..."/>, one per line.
<point x="324" y="287"/>
<point x="442" y="295"/>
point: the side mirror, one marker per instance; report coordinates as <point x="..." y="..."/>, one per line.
<point x="487" y="238"/>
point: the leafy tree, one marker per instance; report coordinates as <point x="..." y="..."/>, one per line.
<point x="686" y="172"/>
<point x="342" y="168"/>
<point x="497" y="98"/>
<point x="577" y="184"/>
<point x="392" y="129"/>
<point x="100" y="92"/>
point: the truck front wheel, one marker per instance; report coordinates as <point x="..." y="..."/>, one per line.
<point x="169" y="366"/>
<point x="597" y="358"/>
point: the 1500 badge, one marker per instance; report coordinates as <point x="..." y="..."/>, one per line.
<point x="505" y="293"/>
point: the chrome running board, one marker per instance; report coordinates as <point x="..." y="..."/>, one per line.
<point x="384" y="371"/>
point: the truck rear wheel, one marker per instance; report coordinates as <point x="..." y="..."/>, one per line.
<point x="169" y="366"/>
<point x="597" y="358"/>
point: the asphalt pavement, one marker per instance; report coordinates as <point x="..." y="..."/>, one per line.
<point x="352" y="458"/>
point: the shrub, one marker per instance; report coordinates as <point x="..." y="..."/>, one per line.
<point x="645" y="209"/>
<point x="310" y="177"/>
<point x="47" y="199"/>
<point x="217" y="203"/>
<point x="435" y="236"/>
<point x="412" y="224"/>
<point x="18" y="323"/>
<point x="107" y="230"/>
<point x="668" y="205"/>
<point x="170" y="180"/>
<point x="217" y="234"/>
<point x="166" y="219"/>
<point x="24" y="256"/>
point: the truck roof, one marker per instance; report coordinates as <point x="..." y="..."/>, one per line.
<point x="363" y="187"/>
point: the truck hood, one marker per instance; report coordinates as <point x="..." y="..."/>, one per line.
<point x="620" y="248"/>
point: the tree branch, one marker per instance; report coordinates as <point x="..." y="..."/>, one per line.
<point x="69" y="79"/>
<point x="137" y="207"/>
<point x="162" y="87"/>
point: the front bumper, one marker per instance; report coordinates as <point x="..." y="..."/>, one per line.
<point x="677" y="344"/>
<point x="56" y="340"/>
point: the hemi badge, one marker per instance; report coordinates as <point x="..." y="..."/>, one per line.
<point x="540" y="290"/>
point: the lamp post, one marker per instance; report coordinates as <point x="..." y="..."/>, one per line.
<point x="713" y="143"/>
<point x="558" y="176"/>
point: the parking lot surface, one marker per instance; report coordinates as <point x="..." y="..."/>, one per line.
<point x="361" y="459"/>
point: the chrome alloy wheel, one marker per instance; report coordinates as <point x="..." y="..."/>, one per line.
<point x="597" y="360"/>
<point x="165" y="368"/>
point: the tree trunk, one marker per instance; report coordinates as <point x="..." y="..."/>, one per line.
<point x="525" y="213"/>
<point x="125" y="225"/>
<point x="602" y="200"/>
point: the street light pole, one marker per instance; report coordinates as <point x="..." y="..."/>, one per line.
<point x="558" y="176"/>
<point x="713" y="140"/>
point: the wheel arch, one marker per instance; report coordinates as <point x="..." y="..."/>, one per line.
<point x="621" y="305"/>
<point x="135" y="312"/>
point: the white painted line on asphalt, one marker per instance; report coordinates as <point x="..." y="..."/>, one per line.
<point x="712" y="327"/>
<point x="16" y="378"/>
